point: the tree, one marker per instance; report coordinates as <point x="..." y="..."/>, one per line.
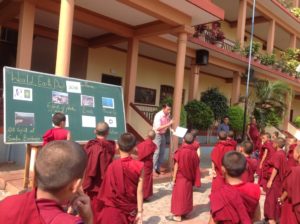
<point x="199" y="115"/>
<point x="216" y="101"/>
<point x="236" y="117"/>
<point x="271" y="101"/>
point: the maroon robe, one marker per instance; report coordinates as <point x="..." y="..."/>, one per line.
<point x="100" y="154"/>
<point x="290" y="156"/>
<point x="118" y="192"/>
<point x="290" y="213"/>
<point x="55" y="134"/>
<point x="232" y="142"/>
<point x="254" y="135"/>
<point x="145" y="151"/>
<point x="234" y="204"/>
<point x="196" y="145"/>
<point x="188" y="175"/>
<point x="25" y="209"/>
<point x="248" y="175"/>
<point x="217" y="154"/>
<point x="272" y="207"/>
<point x="265" y="170"/>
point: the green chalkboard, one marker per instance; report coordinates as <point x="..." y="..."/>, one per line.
<point x="31" y="98"/>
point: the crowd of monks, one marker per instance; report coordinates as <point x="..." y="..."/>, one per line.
<point x="94" y="186"/>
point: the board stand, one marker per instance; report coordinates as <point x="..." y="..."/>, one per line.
<point x="26" y="182"/>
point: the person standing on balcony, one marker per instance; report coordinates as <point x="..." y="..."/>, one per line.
<point x="162" y="121"/>
<point x="224" y="126"/>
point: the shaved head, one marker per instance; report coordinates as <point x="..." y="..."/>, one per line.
<point x="230" y="134"/>
<point x="189" y="138"/>
<point x="127" y="142"/>
<point x="102" y="129"/>
<point x="234" y="163"/>
<point x="58" y="164"/>
<point x="151" y="134"/>
<point x="280" y="142"/>
<point x="222" y="135"/>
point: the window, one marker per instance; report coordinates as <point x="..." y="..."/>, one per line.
<point x="110" y="79"/>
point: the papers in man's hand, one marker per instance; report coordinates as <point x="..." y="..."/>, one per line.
<point x="180" y="132"/>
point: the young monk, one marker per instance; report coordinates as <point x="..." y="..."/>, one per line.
<point x="100" y="152"/>
<point x="246" y="149"/>
<point x="59" y="168"/>
<point x="122" y="188"/>
<point x="230" y="139"/>
<point x="277" y="165"/>
<point x="186" y="175"/>
<point x="196" y="143"/>
<point x="290" y="198"/>
<point x="58" y="132"/>
<point x="217" y="154"/>
<point x="235" y="201"/>
<point x="292" y="144"/>
<point x="253" y="133"/>
<point x="145" y="152"/>
<point x="265" y="155"/>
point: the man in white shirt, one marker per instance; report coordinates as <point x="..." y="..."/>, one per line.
<point x="162" y="122"/>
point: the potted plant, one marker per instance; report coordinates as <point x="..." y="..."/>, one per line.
<point x="296" y="12"/>
<point x="217" y="36"/>
<point x="267" y="59"/>
<point x="255" y="49"/>
<point x="199" y="30"/>
<point x="236" y="47"/>
<point x="291" y="66"/>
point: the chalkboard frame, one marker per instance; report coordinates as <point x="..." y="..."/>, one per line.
<point x="53" y="76"/>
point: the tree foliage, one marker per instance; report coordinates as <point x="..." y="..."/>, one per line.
<point x="216" y="101"/>
<point x="199" y="115"/>
<point x="236" y="117"/>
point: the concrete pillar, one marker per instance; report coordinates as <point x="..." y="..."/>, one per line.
<point x="194" y="82"/>
<point x="271" y="37"/>
<point x="287" y="114"/>
<point x="236" y="88"/>
<point x="293" y="40"/>
<point x="131" y="73"/>
<point x="64" y="42"/>
<point x="179" y="79"/>
<point x="240" y="34"/>
<point x="25" y="36"/>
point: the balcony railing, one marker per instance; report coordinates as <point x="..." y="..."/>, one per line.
<point x="148" y="111"/>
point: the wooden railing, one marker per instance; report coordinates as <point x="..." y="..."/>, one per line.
<point x="147" y="111"/>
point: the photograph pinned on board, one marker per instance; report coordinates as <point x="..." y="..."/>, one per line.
<point x="73" y="87"/>
<point x="24" y="119"/>
<point x="60" y="97"/>
<point x="88" y="121"/>
<point x="22" y="93"/>
<point x="87" y="101"/>
<point x="108" y="103"/>
<point x="111" y="121"/>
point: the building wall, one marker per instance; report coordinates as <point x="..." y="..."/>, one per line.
<point x="296" y="108"/>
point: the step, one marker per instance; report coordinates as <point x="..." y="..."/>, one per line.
<point x="14" y="186"/>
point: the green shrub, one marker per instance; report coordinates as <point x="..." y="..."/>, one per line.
<point x="297" y="122"/>
<point x="216" y="101"/>
<point x="266" y="117"/>
<point x="199" y="115"/>
<point x="236" y="118"/>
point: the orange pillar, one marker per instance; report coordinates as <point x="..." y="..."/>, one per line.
<point x="241" y="22"/>
<point x="25" y="36"/>
<point x="271" y="37"/>
<point x="296" y="3"/>
<point x="179" y="78"/>
<point x="293" y="41"/>
<point x="64" y="42"/>
<point x="287" y="114"/>
<point x="236" y="88"/>
<point x="131" y="73"/>
<point x="194" y="82"/>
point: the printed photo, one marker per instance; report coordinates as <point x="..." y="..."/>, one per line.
<point x="24" y="119"/>
<point x="88" y="121"/>
<point x="111" y="121"/>
<point x="108" y="103"/>
<point x="73" y="87"/>
<point x="60" y="97"/>
<point x="87" y="101"/>
<point x="22" y="93"/>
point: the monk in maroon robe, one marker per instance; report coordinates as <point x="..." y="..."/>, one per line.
<point x="266" y="153"/>
<point x="235" y="202"/>
<point x="217" y="154"/>
<point x="292" y="144"/>
<point x="186" y="175"/>
<point x="121" y="192"/>
<point x="59" y="168"/>
<point x="230" y="139"/>
<point x="246" y="149"/>
<point x="253" y="134"/>
<point x="277" y="167"/>
<point x="58" y="132"/>
<point x="145" y="152"/>
<point x="196" y="143"/>
<point x="100" y="152"/>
